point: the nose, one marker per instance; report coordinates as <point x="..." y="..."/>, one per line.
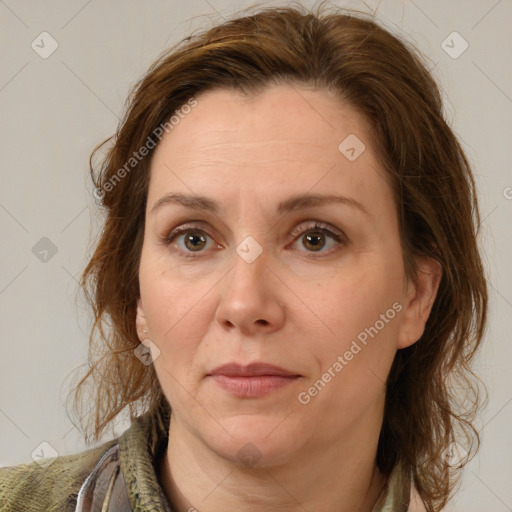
<point x="251" y="298"/>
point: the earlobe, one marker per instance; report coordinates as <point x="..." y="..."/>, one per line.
<point x="140" y="322"/>
<point x="419" y="301"/>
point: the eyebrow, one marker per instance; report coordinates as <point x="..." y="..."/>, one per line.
<point x="294" y="203"/>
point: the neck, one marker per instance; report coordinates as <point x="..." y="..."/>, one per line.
<point x="343" y="478"/>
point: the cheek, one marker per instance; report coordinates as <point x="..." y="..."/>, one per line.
<point x="175" y="312"/>
<point x="177" y="322"/>
<point x="171" y="297"/>
<point x="177" y="317"/>
<point x="362" y="311"/>
<point x="354" y="299"/>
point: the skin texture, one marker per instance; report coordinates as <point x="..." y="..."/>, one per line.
<point x="293" y="306"/>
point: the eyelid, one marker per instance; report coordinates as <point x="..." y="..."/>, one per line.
<point x="187" y="227"/>
<point x="311" y="225"/>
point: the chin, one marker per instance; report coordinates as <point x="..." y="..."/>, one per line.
<point x="256" y="441"/>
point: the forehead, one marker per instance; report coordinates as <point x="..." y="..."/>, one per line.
<point x="285" y="136"/>
<point x="225" y="119"/>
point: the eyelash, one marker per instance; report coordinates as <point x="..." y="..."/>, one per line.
<point x="315" y="227"/>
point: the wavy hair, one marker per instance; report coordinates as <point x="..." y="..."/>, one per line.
<point x="386" y="80"/>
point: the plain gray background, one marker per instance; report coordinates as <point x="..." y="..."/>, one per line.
<point x="54" y="110"/>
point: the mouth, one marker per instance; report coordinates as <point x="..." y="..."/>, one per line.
<point x="252" y="381"/>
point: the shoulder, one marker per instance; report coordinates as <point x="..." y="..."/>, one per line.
<point x="51" y="486"/>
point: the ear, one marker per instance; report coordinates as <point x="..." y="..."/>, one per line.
<point x="419" y="301"/>
<point x="140" y="322"/>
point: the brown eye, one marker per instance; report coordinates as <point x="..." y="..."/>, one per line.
<point x="194" y="241"/>
<point x="315" y="237"/>
<point x="315" y="240"/>
<point x="189" y="239"/>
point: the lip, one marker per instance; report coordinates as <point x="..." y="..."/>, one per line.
<point x="256" y="369"/>
<point x="253" y="380"/>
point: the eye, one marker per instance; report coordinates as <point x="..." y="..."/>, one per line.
<point x="194" y="239"/>
<point x="314" y="236"/>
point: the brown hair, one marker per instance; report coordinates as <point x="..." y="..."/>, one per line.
<point x="387" y="82"/>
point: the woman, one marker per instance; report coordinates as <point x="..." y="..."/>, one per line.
<point x="289" y="262"/>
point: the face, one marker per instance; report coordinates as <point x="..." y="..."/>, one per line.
<point x="288" y="270"/>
